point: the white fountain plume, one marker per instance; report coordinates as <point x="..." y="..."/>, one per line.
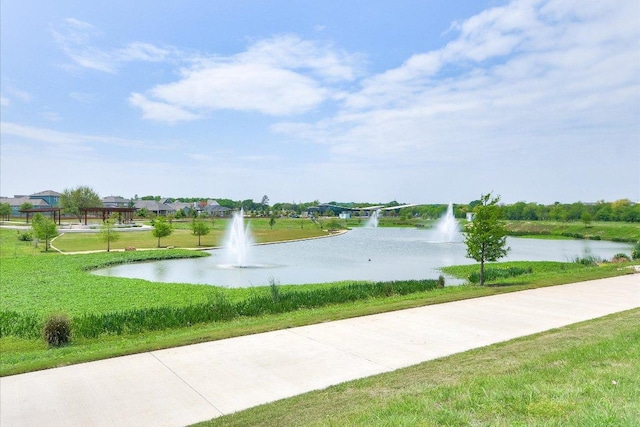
<point x="373" y="220"/>
<point x="447" y="228"/>
<point x="238" y="241"/>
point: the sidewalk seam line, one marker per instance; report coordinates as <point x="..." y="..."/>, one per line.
<point x="186" y="383"/>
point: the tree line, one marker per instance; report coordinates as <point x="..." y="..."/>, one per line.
<point x="620" y="210"/>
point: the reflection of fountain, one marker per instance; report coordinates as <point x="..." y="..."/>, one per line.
<point x="373" y="220"/>
<point x="447" y="227"/>
<point x="237" y="242"/>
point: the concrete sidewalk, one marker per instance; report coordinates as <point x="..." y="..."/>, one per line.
<point x="184" y="385"/>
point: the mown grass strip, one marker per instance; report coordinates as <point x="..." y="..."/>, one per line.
<point x="572" y="376"/>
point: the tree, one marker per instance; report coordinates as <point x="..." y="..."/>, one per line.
<point x="25" y="206"/>
<point x="73" y="200"/>
<point x="161" y="228"/>
<point x="5" y="211"/>
<point x="586" y="219"/>
<point x="44" y="228"/>
<point x="199" y="227"/>
<point x="108" y="233"/>
<point x="272" y="221"/>
<point x="485" y="236"/>
<point x="264" y="203"/>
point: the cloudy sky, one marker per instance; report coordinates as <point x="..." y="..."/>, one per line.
<point x="420" y="101"/>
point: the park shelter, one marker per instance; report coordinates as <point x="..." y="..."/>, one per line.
<point x="54" y="212"/>
<point x="125" y="215"/>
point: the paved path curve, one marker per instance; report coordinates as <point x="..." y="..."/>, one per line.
<point x="184" y="385"/>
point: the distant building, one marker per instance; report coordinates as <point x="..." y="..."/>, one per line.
<point x="155" y="207"/>
<point x="115" y="202"/>
<point x="212" y="208"/>
<point x="51" y="198"/>
<point x="43" y="199"/>
<point x="180" y="206"/>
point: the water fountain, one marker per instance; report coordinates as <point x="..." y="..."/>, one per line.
<point x="373" y="220"/>
<point x="447" y="228"/>
<point x="237" y="242"/>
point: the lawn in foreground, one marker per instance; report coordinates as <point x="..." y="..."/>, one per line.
<point x="572" y="376"/>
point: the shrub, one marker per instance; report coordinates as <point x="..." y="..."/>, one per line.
<point x="57" y="330"/>
<point x="635" y="254"/>
<point x="25" y="236"/>
<point x="588" y="260"/>
<point x="621" y="257"/>
<point x="441" y="281"/>
<point x="492" y="274"/>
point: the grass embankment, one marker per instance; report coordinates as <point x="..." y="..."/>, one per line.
<point x="182" y="237"/>
<point x="572" y="376"/>
<point x="614" y="231"/>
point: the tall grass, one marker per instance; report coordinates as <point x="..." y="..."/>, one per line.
<point x="271" y="300"/>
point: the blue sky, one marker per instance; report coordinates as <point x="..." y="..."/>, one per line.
<point x="415" y="101"/>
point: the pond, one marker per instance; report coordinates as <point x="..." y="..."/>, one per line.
<point x="377" y="254"/>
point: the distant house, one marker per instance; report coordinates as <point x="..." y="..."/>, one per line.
<point x="115" y="202"/>
<point x="17" y="201"/>
<point x="155" y="207"/>
<point x="212" y="208"/>
<point x="43" y="199"/>
<point x="180" y="206"/>
<point x="51" y="198"/>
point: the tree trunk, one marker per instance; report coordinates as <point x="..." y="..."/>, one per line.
<point x="482" y="272"/>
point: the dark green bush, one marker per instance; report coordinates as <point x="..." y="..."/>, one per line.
<point x="635" y="254"/>
<point x="492" y="274"/>
<point x="622" y="256"/>
<point x="57" y="330"/>
<point x="25" y="236"/>
<point x="588" y="261"/>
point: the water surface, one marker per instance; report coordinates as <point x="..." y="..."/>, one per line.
<point x="360" y="254"/>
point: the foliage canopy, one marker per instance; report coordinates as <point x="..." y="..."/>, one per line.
<point x="486" y="236"/>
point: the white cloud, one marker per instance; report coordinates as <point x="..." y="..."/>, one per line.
<point x="66" y="141"/>
<point x="77" y="39"/>
<point x="4" y="101"/>
<point x="531" y="73"/>
<point x="160" y="111"/>
<point x="279" y="76"/>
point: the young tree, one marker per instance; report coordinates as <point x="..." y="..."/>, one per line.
<point x="25" y="206"/>
<point x="44" y="228"/>
<point x="199" y="227"/>
<point x="272" y="221"/>
<point x="72" y="200"/>
<point x="108" y="232"/>
<point x="5" y="211"/>
<point x="485" y="236"/>
<point x="161" y="228"/>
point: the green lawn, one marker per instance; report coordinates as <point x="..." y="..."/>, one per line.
<point x="572" y="376"/>
<point x="616" y="231"/>
<point x="182" y="237"/>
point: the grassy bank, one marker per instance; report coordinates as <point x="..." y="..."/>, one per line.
<point x="614" y="231"/>
<point x="182" y="237"/>
<point x="572" y="376"/>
